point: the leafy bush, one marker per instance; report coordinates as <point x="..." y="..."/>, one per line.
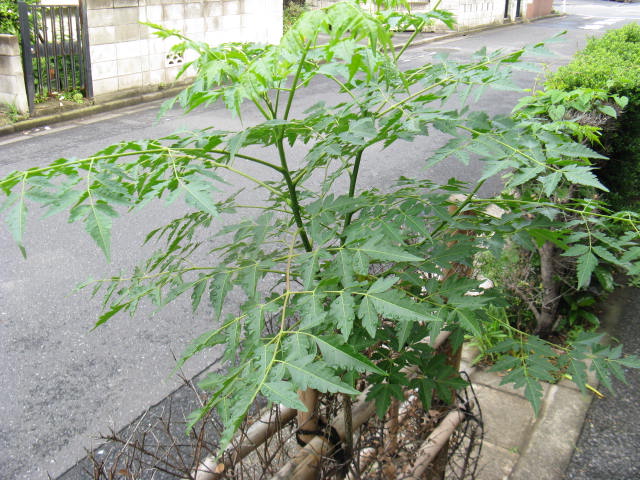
<point x="340" y="283"/>
<point x="612" y="63"/>
<point x="9" y="17"/>
<point x="292" y="11"/>
<point x="9" y="20"/>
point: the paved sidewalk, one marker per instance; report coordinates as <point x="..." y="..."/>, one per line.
<point x="517" y="445"/>
<point x="559" y="443"/>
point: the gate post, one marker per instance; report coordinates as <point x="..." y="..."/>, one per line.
<point x="27" y="56"/>
<point x="86" y="49"/>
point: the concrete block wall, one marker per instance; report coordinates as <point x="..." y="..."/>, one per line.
<point x="12" y="89"/>
<point x="125" y="55"/>
<point x="475" y="13"/>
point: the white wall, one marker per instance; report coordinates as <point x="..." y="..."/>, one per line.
<point x="12" y="89"/>
<point x="126" y="55"/>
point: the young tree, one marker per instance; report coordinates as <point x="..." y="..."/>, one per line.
<point x="339" y="283"/>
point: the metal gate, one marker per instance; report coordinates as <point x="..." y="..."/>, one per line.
<point x="55" y="51"/>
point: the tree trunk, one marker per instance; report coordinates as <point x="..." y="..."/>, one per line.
<point x="550" y="289"/>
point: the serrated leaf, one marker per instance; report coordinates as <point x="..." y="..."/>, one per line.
<point x="574" y="150"/>
<point x="198" y="289"/>
<point x="16" y="221"/>
<point x="383" y="284"/>
<point x="378" y="249"/>
<point x="206" y="340"/>
<point x="98" y="225"/>
<point x="107" y="315"/>
<point x="469" y="322"/>
<point x="550" y="182"/>
<point x="343" y="310"/>
<point x="319" y="376"/>
<point x="344" y="356"/>
<point x="606" y="255"/>
<point x="220" y="286"/>
<point x="284" y="393"/>
<point x="382" y="394"/>
<point x="342" y="267"/>
<point x="368" y="316"/>
<point x="312" y="310"/>
<point x="576" y="250"/>
<point x="533" y="392"/>
<point x="582" y="176"/>
<point x="392" y="305"/>
<point x="360" y="263"/>
<point x="198" y="195"/>
<point x="586" y="265"/>
<point x="631" y="361"/>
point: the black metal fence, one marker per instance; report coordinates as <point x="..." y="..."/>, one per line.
<point x="55" y="51"/>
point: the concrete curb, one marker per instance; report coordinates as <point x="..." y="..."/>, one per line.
<point x="517" y="444"/>
<point x="161" y="94"/>
<point x="88" y="110"/>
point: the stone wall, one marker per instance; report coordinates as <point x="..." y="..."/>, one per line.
<point x="477" y="13"/>
<point x="12" y="89"/>
<point x="125" y="55"/>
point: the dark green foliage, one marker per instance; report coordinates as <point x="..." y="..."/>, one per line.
<point x="612" y="63"/>
<point x="9" y="17"/>
<point x="9" y="21"/>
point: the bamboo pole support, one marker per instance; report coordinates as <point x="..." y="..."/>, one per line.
<point x="434" y="443"/>
<point x="308" y="421"/>
<point x="258" y="433"/>
<point x="306" y="464"/>
<point x="369" y="455"/>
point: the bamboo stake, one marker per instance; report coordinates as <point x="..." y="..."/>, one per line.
<point x="256" y="435"/>
<point x="306" y="464"/>
<point x="368" y="455"/>
<point x="392" y="425"/>
<point x="308" y="421"/>
<point x="434" y="443"/>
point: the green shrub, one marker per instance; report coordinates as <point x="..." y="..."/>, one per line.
<point x="612" y="63"/>
<point x="9" y="17"/>
<point x="9" y="20"/>
<point x="292" y="11"/>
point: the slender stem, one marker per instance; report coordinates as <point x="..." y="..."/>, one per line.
<point x="293" y="196"/>
<point x="411" y="39"/>
<point x="294" y="84"/>
<point x="353" y="178"/>
<point x="251" y="159"/>
<point x="466" y="202"/>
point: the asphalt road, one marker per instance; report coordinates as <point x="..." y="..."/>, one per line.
<point x="609" y="444"/>
<point x="62" y="385"/>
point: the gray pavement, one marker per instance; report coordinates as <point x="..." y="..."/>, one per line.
<point x="62" y="385"/>
<point x="609" y="444"/>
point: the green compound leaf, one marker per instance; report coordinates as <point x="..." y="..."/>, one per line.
<point x="317" y="375"/>
<point x="369" y="316"/>
<point x="343" y="355"/>
<point x="98" y="225"/>
<point x="378" y="249"/>
<point x="343" y="310"/>
<point x="284" y="393"/>
<point x="586" y="265"/>
<point x="16" y="220"/>
<point x="394" y="305"/>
